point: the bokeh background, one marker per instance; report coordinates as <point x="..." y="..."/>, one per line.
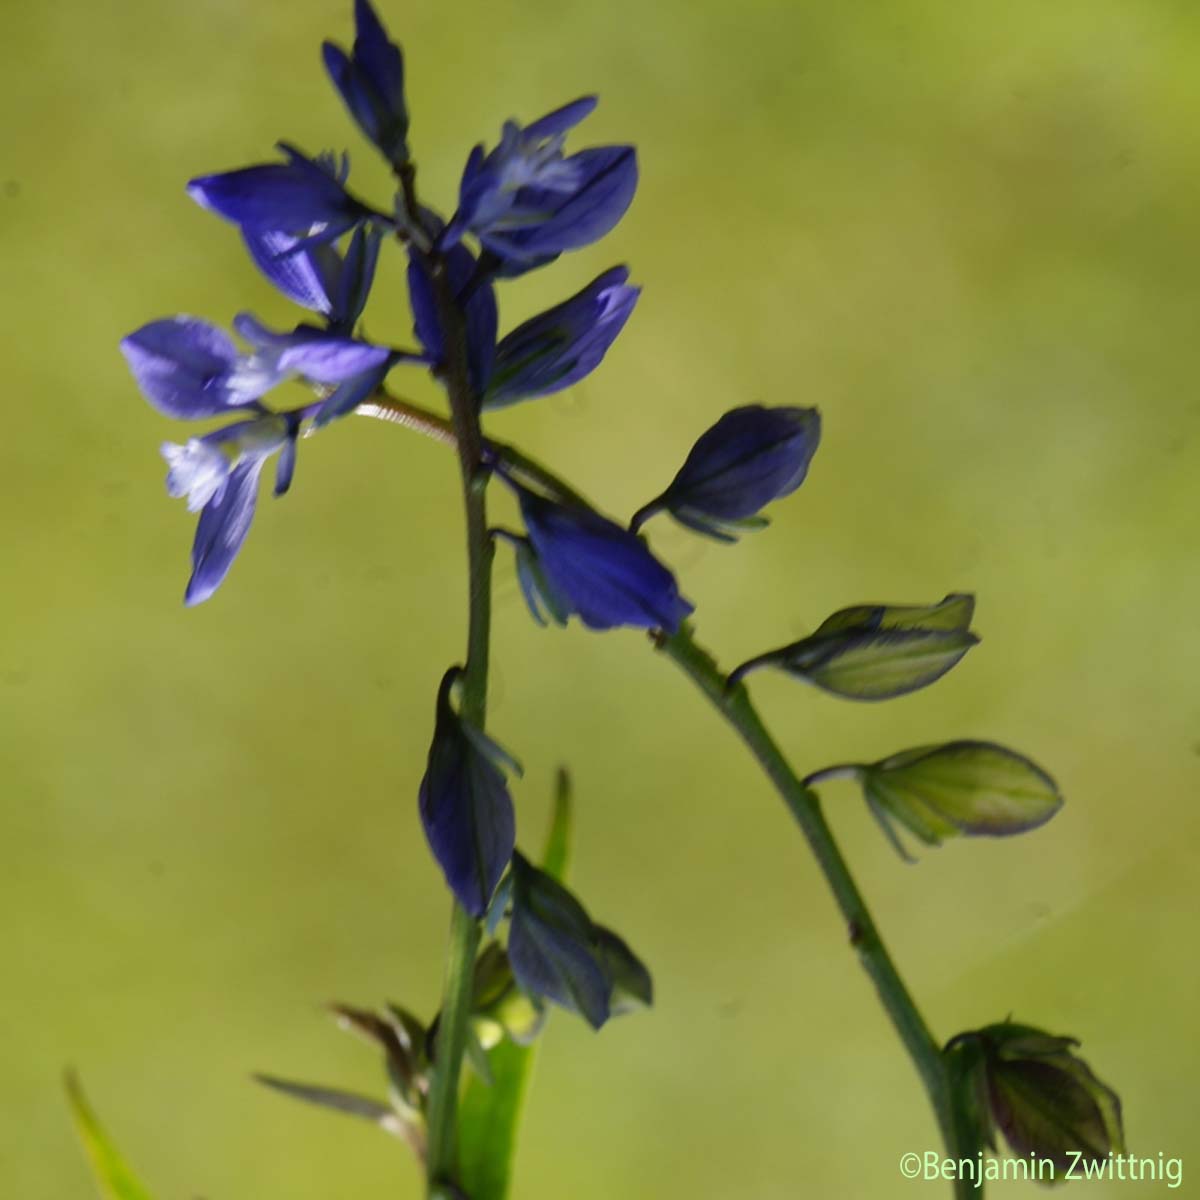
<point x="967" y="231"/>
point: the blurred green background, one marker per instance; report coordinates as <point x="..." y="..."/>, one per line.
<point x="968" y="232"/>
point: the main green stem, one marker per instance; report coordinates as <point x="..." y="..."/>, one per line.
<point x="442" y="1110"/>
<point x="734" y="704"/>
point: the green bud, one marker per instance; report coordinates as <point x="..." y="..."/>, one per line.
<point x="1038" y="1092"/>
<point x="977" y="789"/>
<point x="876" y="651"/>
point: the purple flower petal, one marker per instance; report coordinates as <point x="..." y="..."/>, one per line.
<point x="221" y="532"/>
<point x="307" y="277"/>
<point x="559" y="347"/>
<point x="296" y="197"/>
<point x="182" y="365"/>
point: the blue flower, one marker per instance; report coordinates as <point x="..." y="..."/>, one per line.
<point x="190" y="369"/>
<point x="371" y="82"/>
<point x="218" y="474"/>
<point x="479" y="311"/>
<point x="751" y="456"/>
<point x="303" y="196"/>
<point x="465" y="806"/>
<point x="316" y="276"/>
<point x="560" y="346"/>
<point x="596" y="569"/>
<point x="527" y="203"/>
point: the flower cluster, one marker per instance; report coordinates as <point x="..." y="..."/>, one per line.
<point x="521" y="204"/>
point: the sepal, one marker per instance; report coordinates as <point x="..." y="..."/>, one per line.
<point x="1038" y="1092"/>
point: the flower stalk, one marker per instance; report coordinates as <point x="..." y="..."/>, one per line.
<point x="464" y="929"/>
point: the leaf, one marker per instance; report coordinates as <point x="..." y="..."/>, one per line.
<point x="114" y="1179"/>
<point x="489" y="1116"/>
<point x="350" y="1103"/>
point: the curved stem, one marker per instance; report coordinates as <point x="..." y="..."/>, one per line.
<point x="731" y="699"/>
<point x="733" y="703"/>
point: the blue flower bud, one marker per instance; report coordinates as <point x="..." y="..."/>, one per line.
<point x="1034" y="1088"/>
<point x="479" y="312"/>
<point x="465" y="806"/>
<point x="559" y="347"/>
<point x="875" y="651"/>
<point x="553" y="946"/>
<point x="527" y="203"/>
<point x="750" y="457"/>
<point x="597" y="570"/>
<point x="371" y="82"/>
<point x="302" y="196"/>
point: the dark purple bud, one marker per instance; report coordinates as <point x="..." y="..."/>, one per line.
<point x="553" y="946"/>
<point x="465" y="806"/>
<point x="559" y="347"/>
<point x="300" y="197"/>
<point x="1034" y="1088"/>
<point x="356" y="276"/>
<point x="479" y="312"/>
<point x="604" y="573"/>
<point x="371" y="82"/>
<point x="750" y="457"/>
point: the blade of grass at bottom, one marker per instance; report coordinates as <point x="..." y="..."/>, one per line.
<point x="489" y="1115"/>
<point x="112" y="1174"/>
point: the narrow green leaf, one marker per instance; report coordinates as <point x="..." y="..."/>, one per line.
<point x="350" y="1103"/>
<point x="114" y="1179"/>
<point x="490" y="1114"/>
<point x="556" y="856"/>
